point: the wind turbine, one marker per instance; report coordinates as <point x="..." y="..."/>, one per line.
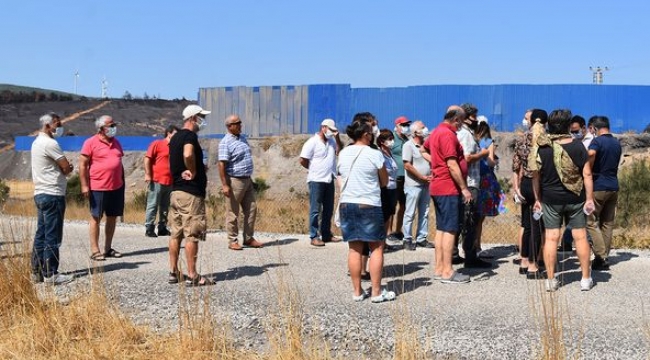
<point x="76" y="79"/>
<point x="104" y="88"/>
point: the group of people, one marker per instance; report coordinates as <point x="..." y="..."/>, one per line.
<point x="175" y="174"/>
<point x="564" y="173"/>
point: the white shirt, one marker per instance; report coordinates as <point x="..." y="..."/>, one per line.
<point x="46" y="173"/>
<point x="322" y="158"/>
<point x="411" y="153"/>
<point x="470" y="146"/>
<point x="586" y="140"/>
<point x="362" y="187"/>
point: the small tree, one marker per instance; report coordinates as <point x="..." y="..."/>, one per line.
<point x="127" y="96"/>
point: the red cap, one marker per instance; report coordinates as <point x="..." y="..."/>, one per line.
<point x="402" y="120"/>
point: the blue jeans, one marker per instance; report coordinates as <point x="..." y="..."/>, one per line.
<point x="49" y="234"/>
<point x="157" y="200"/>
<point x="416" y="197"/>
<point x="321" y="201"/>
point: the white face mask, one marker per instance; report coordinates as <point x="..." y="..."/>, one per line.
<point x="329" y="134"/>
<point x="58" y="132"/>
<point x="390" y="143"/>
<point x="406" y="129"/>
<point x="375" y="130"/>
<point x="201" y="124"/>
<point x="525" y="123"/>
<point x="111" y="131"/>
<point x="424" y="132"/>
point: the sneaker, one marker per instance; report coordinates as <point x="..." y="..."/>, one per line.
<point x="384" y="296"/>
<point x="162" y="231"/>
<point x="552" y="284"/>
<point x="409" y="245"/>
<point x="425" y="244"/>
<point x="58" y="279"/>
<point x="456" y="278"/>
<point x="600" y="264"/>
<point x="586" y="284"/>
<point x="361" y="297"/>
<point x="392" y="237"/>
<point x="150" y="233"/>
<point x="477" y="264"/>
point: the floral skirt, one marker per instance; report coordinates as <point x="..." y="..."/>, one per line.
<point x="489" y="195"/>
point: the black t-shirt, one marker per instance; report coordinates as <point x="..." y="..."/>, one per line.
<point x="553" y="191"/>
<point x="197" y="185"/>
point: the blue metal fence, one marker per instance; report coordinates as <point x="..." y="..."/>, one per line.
<point x="504" y="105"/>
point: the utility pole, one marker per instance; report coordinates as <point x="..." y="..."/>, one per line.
<point x="104" y="88"/>
<point x="598" y="74"/>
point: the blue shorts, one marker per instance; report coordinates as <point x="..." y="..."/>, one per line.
<point x="110" y="203"/>
<point x="447" y="207"/>
<point x="361" y="222"/>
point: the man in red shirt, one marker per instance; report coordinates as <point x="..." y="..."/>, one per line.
<point x="447" y="188"/>
<point x="159" y="180"/>
<point x="102" y="182"/>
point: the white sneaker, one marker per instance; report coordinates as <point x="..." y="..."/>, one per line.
<point x="586" y="284"/>
<point x="552" y="285"/>
<point x="58" y="279"/>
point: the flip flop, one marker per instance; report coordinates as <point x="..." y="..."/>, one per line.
<point x="198" y="280"/>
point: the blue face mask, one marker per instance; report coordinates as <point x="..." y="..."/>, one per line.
<point x="576" y="135"/>
<point x="58" y="132"/>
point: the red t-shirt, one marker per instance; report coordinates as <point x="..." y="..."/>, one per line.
<point x="158" y="153"/>
<point x="443" y="144"/>
<point x="105" y="169"/>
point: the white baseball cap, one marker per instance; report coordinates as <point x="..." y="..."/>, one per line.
<point x="330" y="124"/>
<point x="192" y="110"/>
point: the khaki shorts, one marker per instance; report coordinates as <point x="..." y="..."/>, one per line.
<point x="187" y="216"/>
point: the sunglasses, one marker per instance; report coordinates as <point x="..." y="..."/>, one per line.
<point x="111" y="125"/>
<point x="235" y="123"/>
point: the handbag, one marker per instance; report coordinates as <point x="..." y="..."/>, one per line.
<point x="337" y="216"/>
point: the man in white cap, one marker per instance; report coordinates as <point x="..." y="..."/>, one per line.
<point x="318" y="155"/>
<point x="187" y="201"/>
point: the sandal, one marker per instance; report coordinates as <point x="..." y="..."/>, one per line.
<point x="198" y="280"/>
<point x="384" y="296"/>
<point x="97" y="256"/>
<point x="113" y="253"/>
<point x="173" y="277"/>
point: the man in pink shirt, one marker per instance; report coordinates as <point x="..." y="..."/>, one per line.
<point x="447" y="187"/>
<point x="102" y="182"/>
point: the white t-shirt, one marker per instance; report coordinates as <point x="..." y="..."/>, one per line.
<point x="322" y="159"/>
<point x="363" y="184"/>
<point x="470" y="146"/>
<point x="46" y="173"/>
<point x="411" y="153"/>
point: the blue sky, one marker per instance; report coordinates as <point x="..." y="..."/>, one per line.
<point x="171" y="48"/>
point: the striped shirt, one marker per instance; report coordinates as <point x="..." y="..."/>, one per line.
<point x="236" y="152"/>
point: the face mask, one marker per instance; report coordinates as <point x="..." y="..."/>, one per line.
<point x="525" y="123"/>
<point x="424" y="132"/>
<point x="111" y="131"/>
<point x="329" y="134"/>
<point x="406" y="129"/>
<point x="201" y="124"/>
<point x="58" y="132"/>
<point x="389" y="143"/>
<point x="375" y="131"/>
<point x="577" y="135"/>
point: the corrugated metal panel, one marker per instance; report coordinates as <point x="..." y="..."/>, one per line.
<point x="300" y="109"/>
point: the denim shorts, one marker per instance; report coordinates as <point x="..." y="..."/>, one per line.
<point x="447" y="208"/>
<point x="572" y="215"/>
<point x="361" y="222"/>
<point x="110" y="203"/>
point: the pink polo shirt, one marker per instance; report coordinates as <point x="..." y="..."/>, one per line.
<point x="105" y="158"/>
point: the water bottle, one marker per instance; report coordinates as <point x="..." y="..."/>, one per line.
<point x="537" y="215"/>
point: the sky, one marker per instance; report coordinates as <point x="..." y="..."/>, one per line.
<point x="170" y="49"/>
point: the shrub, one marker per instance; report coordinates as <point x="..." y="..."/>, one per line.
<point x="505" y="184"/>
<point x="260" y="186"/>
<point x="139" y="199"/>
<point x="4" y="192"/>
<point x="633" y="207"/>
<point x="74" y="190"/>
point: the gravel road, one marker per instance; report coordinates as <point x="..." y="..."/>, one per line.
<point x="497" y="316"/>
